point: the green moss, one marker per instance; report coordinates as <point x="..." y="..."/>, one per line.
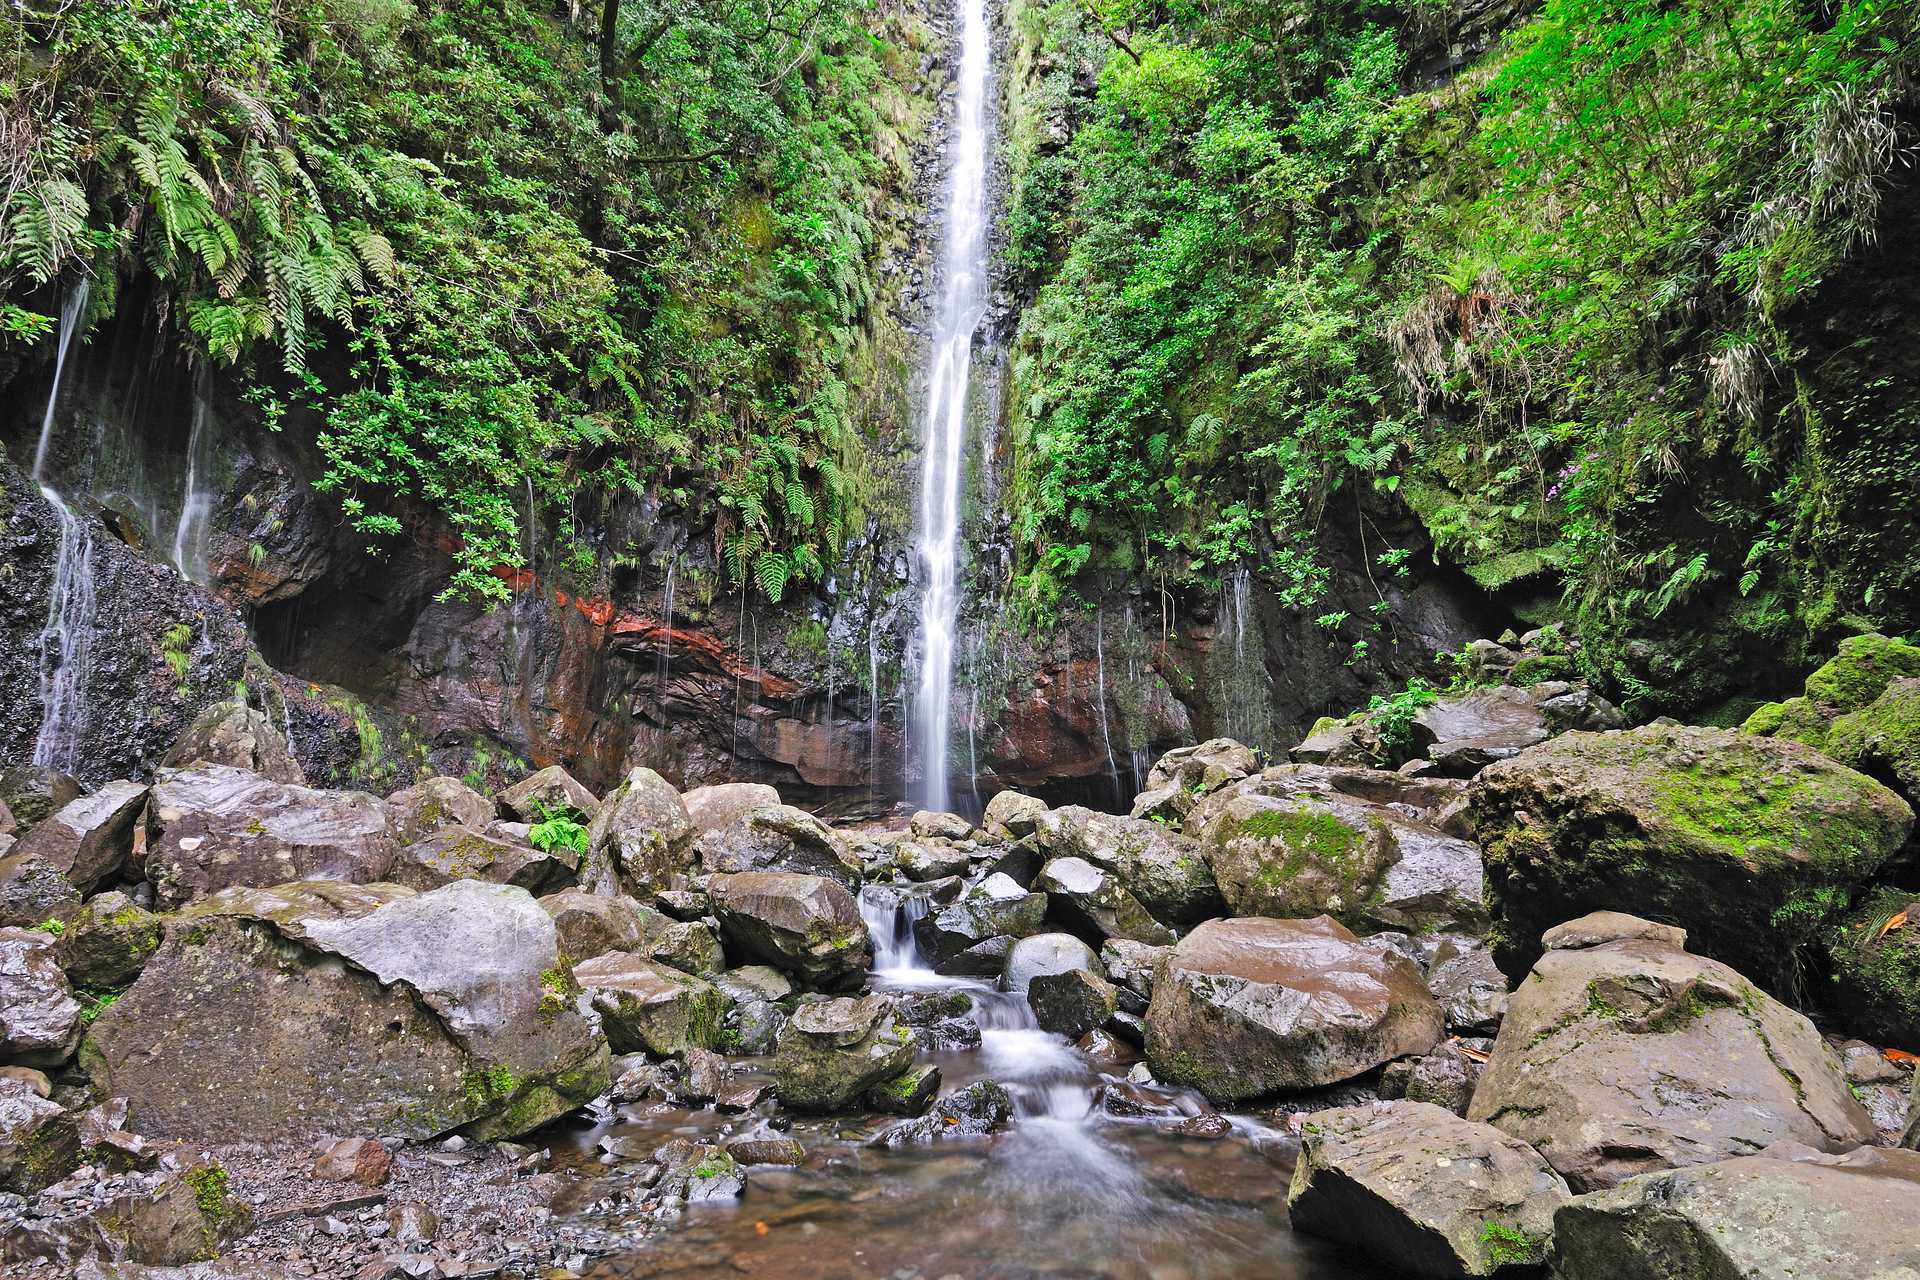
<point x="486" y="1087"/>
<point x="1509" y="1246"/>
<point x="1876" y="969"/>
<point x="1883" y="737"/>
<point x="1540" y="667"/>
<point x="52" y="925"/>
<point x="209" y="1183"/>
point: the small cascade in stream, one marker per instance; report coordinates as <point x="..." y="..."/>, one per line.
<point x="963" y="269"/>
<point x="67" y="640"/>
<point x="197" y="494"/>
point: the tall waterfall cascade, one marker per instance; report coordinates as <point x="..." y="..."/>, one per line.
<point x="67" y="638"/>
<point x="962" y="304"/>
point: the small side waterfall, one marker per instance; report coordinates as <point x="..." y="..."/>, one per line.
<point x="67" y="640"/>
<point x="196" y="496"/>
<point x="962" y="305"/>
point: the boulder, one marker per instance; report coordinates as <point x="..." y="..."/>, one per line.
<point x="433" y="803"/>
<point x="757" y="1017"/>
<point x="33" y="890"/>
<point x="592" y="924"/>
<point x="647" y="1006"/>
<point x="977" y="1111"/>
<point x="691" y="947"/>
<point x="1353" y="741"/>
<point x="641" y="838"/>
<point x="39" y="1139"/>
<point x="722" y="804"/>
<point x="1071" y="1003"/>
<point x="997" y="907"/>
<point x="1205" y="768"/>
<point x="1629" y="1056"/>
<point x="1352" y="843"/>
<point x="350" y="1009"/>
<point x="986" y="959"/>
<point x="233" y="733"/>
<point x="457" y="853"/>
<point x="1855" y="677"/>
<point x="931" y="824"/>
<point x="33" y="793"/>
<point x="106" y="945"/>
<point x="1875" y="957"/>
<point x="780" y="839"/>
<point x="1423" y="1191"/>
<point x="1883" y="737"/>
<point x="1246" y="1007"/>
<point x="1470" y="988"/>
<point x="1163" y="869"/>
<point x="1012" y="815"/>
<point x="362" y="1160"/>
<point x="942" y="1017"/>
<point x="1094" y="900"/>
<point x="1132" y="964"/>
<point x="910" y="1093"/>
<point x="807" y="926"/>
<point x="549" y="790"/>
<point x="40" y="1022"/>
<point x="1445" y="1078"/>
<point x="832" y="1051"/>
<point x="214" y="827"/>
<point x="1465" y="733"/>
<point x="88" y="840"/>
<point x="1597" y="928"/>
<point x="1047" y="953"/>
<point x="924" y="860"/>
<point x="1753" y="845"/>
<point x="1784" y="1214"/>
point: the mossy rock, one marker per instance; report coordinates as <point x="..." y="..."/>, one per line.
<point x="1540" y="667"/>
<point x="1853" y="678"/>
<point x="1876" y="970"/>
<point x="1301" y="856"/>
<point x="1753" y="845"/>
<point x="1883" y="738"/>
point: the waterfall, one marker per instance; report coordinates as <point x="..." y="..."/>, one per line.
<point x="196" y="498"/>
<point x="961" y="307"/>
<point x="1100" y="671"/>
<point x="67" y="639"/>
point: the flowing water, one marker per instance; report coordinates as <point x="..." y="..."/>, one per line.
<point x="1065" y="1191"/>
<point x="196" y="495"/>
<point x="66" y="642"/>
<point x="963" y="271"/>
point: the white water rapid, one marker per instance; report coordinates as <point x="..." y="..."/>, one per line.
<point x="963" y="274"/>
<point x="67" y="639"/>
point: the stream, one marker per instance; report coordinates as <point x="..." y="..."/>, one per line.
<point x="1065" y="1191"/>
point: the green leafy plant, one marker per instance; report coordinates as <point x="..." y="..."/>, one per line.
<point x="558" y="828"/>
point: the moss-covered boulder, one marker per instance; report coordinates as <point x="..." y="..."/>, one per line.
<point x="341" y="1008"/>
<point x="1883" y="737"/>
<point x="1875" y="955"/>
<point x="1851" y="679"/>
<point x="1753" y="845"/>
<point x="646" y="1006"/>
<point x="832" y="1051"/>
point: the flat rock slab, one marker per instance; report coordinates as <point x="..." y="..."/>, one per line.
<point x="1785" y="1214"/>
<point x="1248" y="1007"/>
<point x="89" y="839"/>
<point x="1424" y="1191"/>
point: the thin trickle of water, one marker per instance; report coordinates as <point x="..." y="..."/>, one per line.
<point x="873" y="702"/>
<point x="197" y="494"/>
<point x="66" y="641"/>
<point x="962" y="305"/>
<point x="666" y="632"/>
<point x="1100" y="670"/>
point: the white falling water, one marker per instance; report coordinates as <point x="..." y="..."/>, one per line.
<point x="67" y="639"/>
<point x="196" y="499"/>
<point x="962" y="304"/>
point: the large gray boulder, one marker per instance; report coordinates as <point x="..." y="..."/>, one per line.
<point x="781" y="838"/>
<point x="233" y="733"/>
<point x="1047" y="953"/>
<point x="651" y="1007"/>
<point x="433" y="803"/>
<point x="641" y="839"/>
<point x="1012" y="815"/>
<point x="358" y="1009"/>
<point x="720" y="805"/>
<point x="832" y="1051"/>
<point x="39" y="1140"/>
<point x="32" y="890"/>
<point x="807" y="926"/>
<point x="1163" y="869"/>
<point x="1181" y="777"/>
<point x="544" y="791"/>
<point x="457" y="853"/>
<point x="1423" y="1191"/>
<point x="1088" y="898"/>
<point x="1620" y="1057"/>
<point x="1071" y="1004"/>
<point x="1354" y="844"/>
<point x="1753" y="845"/>
<point x="1247" y="1007"/>
<point x="592" y="924"/>
<point x="39" y="1019"/>
<point x="108" y="942"/>
<point x="995" y="908"/>
<point x="1787" y="1213"/>
<point x="88" y="840"/>
<point x="214" y="827"/>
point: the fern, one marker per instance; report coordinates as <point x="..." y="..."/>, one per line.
<point x="799" y="503"/>
<point x="772" y="571"/>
